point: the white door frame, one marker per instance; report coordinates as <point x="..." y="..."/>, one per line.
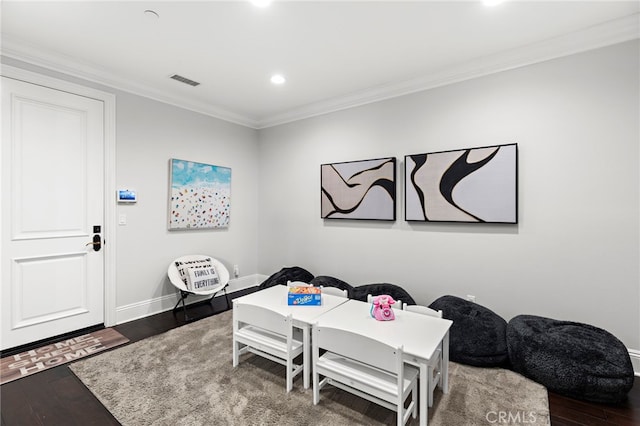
<point x="109" y="232"/>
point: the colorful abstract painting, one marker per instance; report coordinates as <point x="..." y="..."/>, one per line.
<point x="359" y="189"/>
<point x="200" y="195"/>
<point x="466" y="185"/>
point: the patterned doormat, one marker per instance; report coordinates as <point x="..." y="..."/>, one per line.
<point x="26" y="363"/>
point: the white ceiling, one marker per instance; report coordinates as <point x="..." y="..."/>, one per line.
<point x="334" y="54"/>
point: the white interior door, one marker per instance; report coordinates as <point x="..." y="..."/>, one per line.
<point x="52" y="183"/>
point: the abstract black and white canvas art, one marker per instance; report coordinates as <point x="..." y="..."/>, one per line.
<point x="467" y="185"/>
<point x="359" y="189"/>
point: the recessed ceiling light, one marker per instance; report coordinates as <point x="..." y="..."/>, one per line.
<point x="151" y="14"/>
<point x="278" y="79"/>
<point x="491" y="3"/>
<point x="261" y="3"/>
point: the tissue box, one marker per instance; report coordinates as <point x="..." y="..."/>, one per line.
<point x="304" y="296"/>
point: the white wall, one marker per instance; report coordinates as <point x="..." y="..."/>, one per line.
<point x="574" y="254"/>
<point x="148" y="134"/>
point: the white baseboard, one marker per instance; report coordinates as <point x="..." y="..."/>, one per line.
<point x="635" y="360"/>
<point x="164" y="303"/>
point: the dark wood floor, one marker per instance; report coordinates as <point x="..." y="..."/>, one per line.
<point x="57" y="397"/>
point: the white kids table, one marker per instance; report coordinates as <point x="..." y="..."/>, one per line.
<point x="419" y="335"/>
<point x="275" y="298"/>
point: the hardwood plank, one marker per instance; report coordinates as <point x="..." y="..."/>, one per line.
<point x="577" y="417"/>
<point x="629" y="409"/>
<point x="570" y="412"/>
<point x="559" y="421"/>
<point x="33" y="400"/>
<point x="620" y="420"/>
<point x="564" y="403"/>
<point x="81" y="405"/>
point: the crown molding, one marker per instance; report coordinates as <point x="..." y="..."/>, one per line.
<point x="605" y="34"/>
<point x="597" y="36"/>
<point x="18" y="50"/>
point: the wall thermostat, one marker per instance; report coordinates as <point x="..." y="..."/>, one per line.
<point x="127" y="196"/>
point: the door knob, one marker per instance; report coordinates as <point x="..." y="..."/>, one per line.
<point x="96" y="243"/>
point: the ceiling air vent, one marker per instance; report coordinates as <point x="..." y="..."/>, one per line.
<point x="184" y="80"/>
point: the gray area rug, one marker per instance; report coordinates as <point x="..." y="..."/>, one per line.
<point x="185" y="377"/>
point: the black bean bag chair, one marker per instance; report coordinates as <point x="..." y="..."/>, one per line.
<point x="327" y="281"/>
<point x="477" y="336"/>
<point x="293" y="273"/>
<point x="397" y="292"/>
<point x="570" y="358"/>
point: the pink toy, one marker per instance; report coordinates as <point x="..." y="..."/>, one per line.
<point x="381" y="308"/>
